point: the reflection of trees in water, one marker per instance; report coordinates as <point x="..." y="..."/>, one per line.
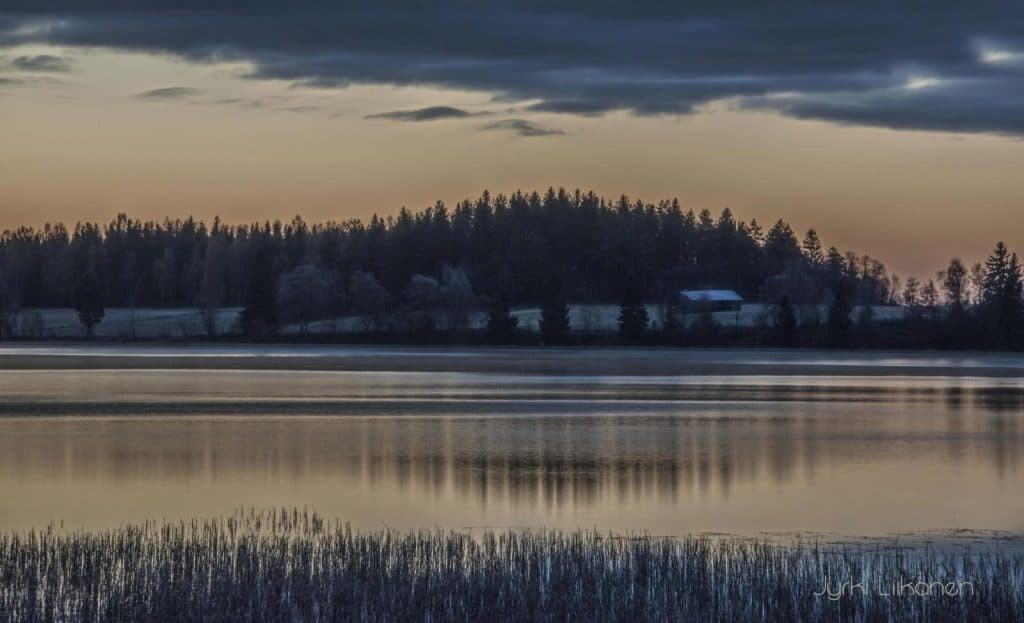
<point x="1003" y="408"/>
<point x="685" y="451"/>
<point x="1000" y="399"/>
<point x="556" y="461"/>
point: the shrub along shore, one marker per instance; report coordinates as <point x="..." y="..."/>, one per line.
<point x="293" y="565"/>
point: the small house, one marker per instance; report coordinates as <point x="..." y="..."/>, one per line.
<point x="709" y="300"/>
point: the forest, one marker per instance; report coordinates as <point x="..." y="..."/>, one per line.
<point x="419" y="275"/>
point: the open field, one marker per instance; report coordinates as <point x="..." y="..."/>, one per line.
<point x="292" y="565"/>
<point x="121" y="323"/>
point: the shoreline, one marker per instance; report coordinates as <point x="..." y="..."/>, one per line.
<point x="582" y="360"/>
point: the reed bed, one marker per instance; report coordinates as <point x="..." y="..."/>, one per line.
<point x="291" y="565"/>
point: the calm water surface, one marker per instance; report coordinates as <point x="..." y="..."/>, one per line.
<point x="748" y="453"/>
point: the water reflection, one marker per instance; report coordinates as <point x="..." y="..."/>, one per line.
<point x="854" y="455"/>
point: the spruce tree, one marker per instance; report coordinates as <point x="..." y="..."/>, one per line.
<point x="1001" y="295"/>
<point x="812" y="249"/>
<point x="785" y="321"/>
<point x="954" y="282"/>
<point x="501" y="322"/>
<point x="88" y="301"/>
<point x="259" y="316"/>
<point x="839" y="316"/>
<point x="554" y="322"/>
<point x="633" y="319"/>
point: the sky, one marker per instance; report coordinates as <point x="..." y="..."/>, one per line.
<point x="892" y="130"/>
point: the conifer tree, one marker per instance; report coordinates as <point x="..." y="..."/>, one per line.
<point x="554" y="322"/>
<point x="785" y="321"/>
<point x="633" y="318"/>
<point x="1001" y="294"/>
<point x="501" y="322"/>
<point x="812" y="249"/>
<point x="839" y="316"/>
<point x="88" y="301"/>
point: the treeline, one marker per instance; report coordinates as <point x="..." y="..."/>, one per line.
<point x="440" y="264"/>
<point x="523" y="247"/>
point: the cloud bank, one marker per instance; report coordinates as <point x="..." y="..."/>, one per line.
<point x="945" y="65"/>
<point x="431" y="113"/>
<point x="168" y="93"/>
<point x="42" y="63"/>
<point x="522" y="127"/>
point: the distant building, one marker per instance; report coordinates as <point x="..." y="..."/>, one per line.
<point x="709" y="300"/>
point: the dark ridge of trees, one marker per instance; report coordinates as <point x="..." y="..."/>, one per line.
<point x="428" y="272"/>
<point x="508" y="246"/>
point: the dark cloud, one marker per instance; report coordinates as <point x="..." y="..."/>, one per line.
<point x="168" y="93"/>
<point x="300" y="109"/>
<point x="585" y="108"/>
<point x="47" y="63"/>
<point x="522" y="127"/>
<point x="238" y="101"/>
<point x="32" y="81"/>
<point x="847" y="62"/>
<point x="957" y="106"/>
<point x="430" y="113"/>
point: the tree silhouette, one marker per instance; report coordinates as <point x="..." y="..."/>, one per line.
<point x="633" y="320"/>
<point x="8" y="308"/>
<point x="780" y="247"/>
<point x="501" y="322"/>
<point x="839" y="316"/>
<point x="423" y="295"/>
<point x="912" y="294"/>
<point x="976" y="277"/>
<point x="369" y="300"/>
<point x="785" y="320"/>
<point x="954" y="283"/>
<point x="259" y="316"/>
<point x="812" y="249"/>
<point x="1001" y="293"/>
<point x="457" y="299"/>
<point x="507" y="249"/>
<point x="507" y="243"/>
<point x="302" y="295"/>
<point x="88" y="301"/>
<point x="213" y="287"/>
<point x="930" y="299"/>
<point x="866" y="329"/>
<point x="554" y="322"/>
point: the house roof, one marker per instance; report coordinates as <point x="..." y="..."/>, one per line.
<point x="712" y="296"/>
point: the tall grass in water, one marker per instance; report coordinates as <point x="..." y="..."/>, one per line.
<point x="294" y="566"/>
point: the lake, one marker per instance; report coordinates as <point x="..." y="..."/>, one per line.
<point x="666" y="442"/>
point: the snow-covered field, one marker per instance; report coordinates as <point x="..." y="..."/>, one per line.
<point x="122" y="322"/>
<point x="179" y="323"/>
<point x="587" y="318"/>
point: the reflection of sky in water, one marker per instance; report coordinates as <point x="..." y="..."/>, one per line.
<point x="758" y="357"/>
<point x="667" y="454"/>
<point x="111" y="392"/>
